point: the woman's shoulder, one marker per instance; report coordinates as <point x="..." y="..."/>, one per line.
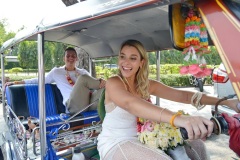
<point x="115" y="81"/>
<point x="114" y="78"/>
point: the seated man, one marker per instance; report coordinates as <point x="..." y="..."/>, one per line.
<point x="73" y="83"/>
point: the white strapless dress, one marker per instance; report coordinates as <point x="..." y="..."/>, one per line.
<point x="119" y="128"/>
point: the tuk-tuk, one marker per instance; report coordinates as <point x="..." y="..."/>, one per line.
<point x="99" y="28"/>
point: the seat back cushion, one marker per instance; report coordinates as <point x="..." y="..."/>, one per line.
<point x="58" y="99"/>
<point x="17" y="100"/>
<point x="32" y="99"/>
<point x="23" y="100"/>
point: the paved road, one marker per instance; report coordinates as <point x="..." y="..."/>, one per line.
<point x="217" y="145"/>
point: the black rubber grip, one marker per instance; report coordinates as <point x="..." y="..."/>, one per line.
<point x="185" y="133"/>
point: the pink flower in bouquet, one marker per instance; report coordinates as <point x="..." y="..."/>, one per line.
<point x="184" y="70"/>
<point x="148" y="125"/>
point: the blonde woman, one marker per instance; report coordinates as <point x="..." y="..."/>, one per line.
<point x="126" y="98"/>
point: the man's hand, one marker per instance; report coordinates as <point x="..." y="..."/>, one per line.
<point x="234" y="131"/>
<point x="8" y="84"/>
<point x="102" y="83"/>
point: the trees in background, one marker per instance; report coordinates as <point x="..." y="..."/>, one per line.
<point x="27" y="54"/>
<point x="27" y="51"/>
<point x="176" y="57"/>
<point x="4" y="34"/>
<point x="53" y="55"/>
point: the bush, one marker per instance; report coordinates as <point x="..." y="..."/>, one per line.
<point x="19" y="78"/>
<point x="169" y="75"/>
<point x="15" y="70"/>
<point x="175" y="80"/>
<point x="105" y="73"/>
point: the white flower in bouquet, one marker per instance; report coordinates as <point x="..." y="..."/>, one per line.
<point x="159" y="135"/>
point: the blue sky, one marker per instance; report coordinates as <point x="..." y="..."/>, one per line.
<point x="27" y="13"/>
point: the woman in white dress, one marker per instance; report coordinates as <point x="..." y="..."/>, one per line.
<point x="126" y="98"/>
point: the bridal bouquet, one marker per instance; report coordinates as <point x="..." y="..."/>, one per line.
<point x="158" y="135"/>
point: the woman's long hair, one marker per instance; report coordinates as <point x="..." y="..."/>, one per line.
<point x="142" y="82"/>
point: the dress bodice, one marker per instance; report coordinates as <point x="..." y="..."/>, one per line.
<point x="118" y="125"/>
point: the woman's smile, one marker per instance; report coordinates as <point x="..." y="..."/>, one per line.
<point x="129" y="60"/>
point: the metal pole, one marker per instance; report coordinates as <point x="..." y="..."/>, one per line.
<point x="41" y="95"/>
<point x="158" y="73"/>
<point x="90" y="65"/>
<point x="3" y="82"/>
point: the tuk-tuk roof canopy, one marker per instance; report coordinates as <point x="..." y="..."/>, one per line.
<point x="99" y="27"/>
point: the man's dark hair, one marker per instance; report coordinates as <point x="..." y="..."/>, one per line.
<point x="70" y="49"/>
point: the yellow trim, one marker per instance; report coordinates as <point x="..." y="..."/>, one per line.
<point x="213" y="36"/>
<point x="218" y="45"/>
<point x="236" y="88"/>
<point x="225" y="60"/>
<point x="229" y="69"/>
<point x="229" y="16"/>
<point x="224" y="13"/>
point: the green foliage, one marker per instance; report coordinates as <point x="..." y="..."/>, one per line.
<point x="213" y="57"/>
<point x="48" y="58"/>
<point x="9" y="65"/>
<point x="175" y="80"/>
<point x="58" y="54"/>
<point x="165" y="69"/>
<point x="152" y="69"/>
<point x="106" y="60"/>
<point x="176" y="57"/>
<point x="152" y="57"/>
<point x="4" y="35"/>
<point x="99" y="71"/>
<point x="105" y="73"/>
<point x="19" y="78"/>
<point x="16" y="70"/>
<point x="34" y="70"/>
<point x="170" y="69"/>
<point x="169" y="74"/>
<point x="27" y="54"/>
<point x="170" y="60"/>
